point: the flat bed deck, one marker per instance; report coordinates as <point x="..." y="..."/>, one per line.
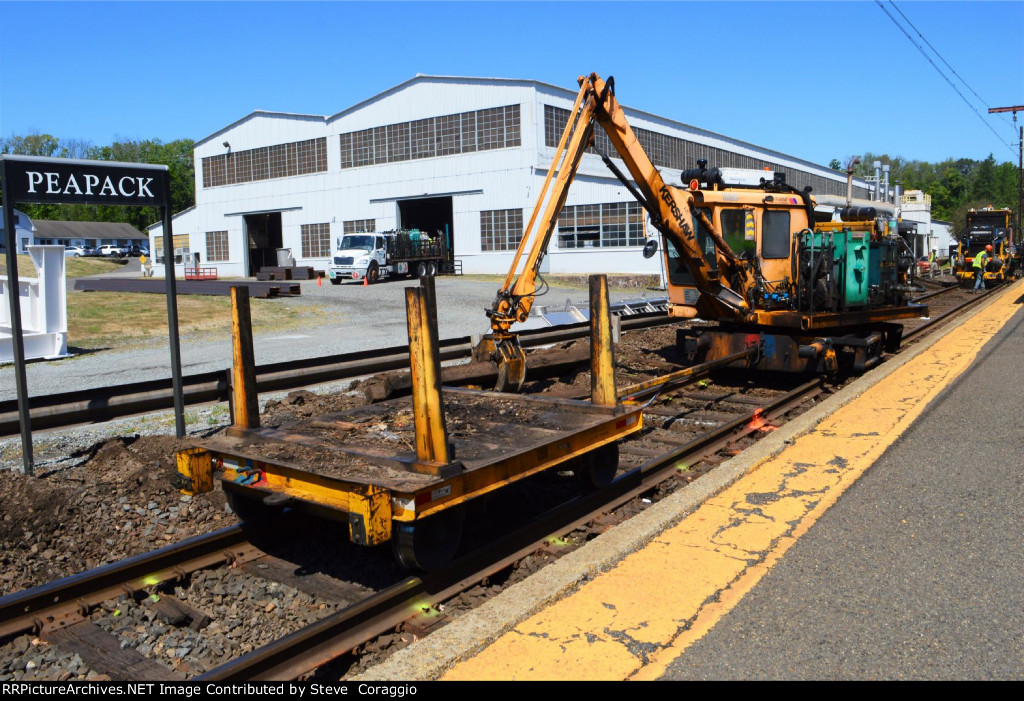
<point x="333" y="459"/>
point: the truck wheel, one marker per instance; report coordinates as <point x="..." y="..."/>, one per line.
<point x="421" y="269"/>
<point x="372" y="273"/>
<point x="431" y="268"/>
<point x="335" y="280"/>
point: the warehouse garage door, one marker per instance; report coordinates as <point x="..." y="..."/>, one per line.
<point x="263" y="232"/>
<point x="429" y="214"/>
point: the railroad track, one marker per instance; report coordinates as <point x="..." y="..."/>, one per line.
<point x="106" y="403"/>
<point x="943" y="304"/>
<point x="689" y="428"/>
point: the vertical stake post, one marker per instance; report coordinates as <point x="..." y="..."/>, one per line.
<point x="17" y="337"/>
<point x="602" y="356"/>
<point x="173" y="340"/>
<point x="425" y="370"/>
<point x="245" y="404"/>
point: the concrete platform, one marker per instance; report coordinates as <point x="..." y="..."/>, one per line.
<point x="915" y="573"/>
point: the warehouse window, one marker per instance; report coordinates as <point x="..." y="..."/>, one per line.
<point x="380" y="149"/>
<point x="512" y="128"/>
<point x="346" y="151"/>
<point x="260" y="164"/>
<point x="398" y="142"/>
<point x="216" y="246"/>
<point x="500" y="229"/>
<point x="311" y="156"/>
<point x="447" y="135"/>
<point x="468" y="120"/>
<point x="181" y="249"/>
<point x="359" y="226"/>
<point x="239" y="167"/>
<point x="601" y="225"/>
<point x="362" y="147"/>
<point x="490" y="129"/>
<point x="421" y="138"/>
<point x="278" y="161"/>
<point x="278" y="155"/>
<point x="215" y="171"/>
<point x="316" y="240"/>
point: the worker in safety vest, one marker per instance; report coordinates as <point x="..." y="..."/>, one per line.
<point x="981" y="259"/>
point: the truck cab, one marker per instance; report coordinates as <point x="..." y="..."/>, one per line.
<point x="359" y="256"/>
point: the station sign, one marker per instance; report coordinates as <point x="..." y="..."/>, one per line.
<point x="72" y="181"/>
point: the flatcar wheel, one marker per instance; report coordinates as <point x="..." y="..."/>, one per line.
<point x="431" y="543"/>
<point x="251" y="510"/>
<point x="597" y="469"/>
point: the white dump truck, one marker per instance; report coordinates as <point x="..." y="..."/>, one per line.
<point x="371" y="256"/>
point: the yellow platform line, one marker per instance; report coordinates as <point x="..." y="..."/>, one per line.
<point x="633" y="620"/>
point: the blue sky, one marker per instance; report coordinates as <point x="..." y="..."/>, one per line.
<point x="818" y="80"/>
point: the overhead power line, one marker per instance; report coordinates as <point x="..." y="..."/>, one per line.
<point x="936" y="52"/>
<point x="939" y="71"/>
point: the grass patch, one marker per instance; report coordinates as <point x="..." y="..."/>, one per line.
<point x="117" y="320"/>
<point x="74" y="267"/>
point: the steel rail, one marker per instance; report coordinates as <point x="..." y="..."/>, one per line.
<point x="936" y="293"/>
<point x="945" y="315"/>
<point x="307" y="649"/>
<point x="32" y="609"/>
<point x="106" y="403"/>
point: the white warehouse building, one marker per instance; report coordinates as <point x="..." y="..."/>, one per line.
<point x="464" y="157"/>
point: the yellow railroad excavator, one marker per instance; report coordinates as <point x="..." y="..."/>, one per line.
<point x="745" y="256"/>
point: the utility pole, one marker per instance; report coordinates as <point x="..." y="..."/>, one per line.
<point x="1020" y="166"/>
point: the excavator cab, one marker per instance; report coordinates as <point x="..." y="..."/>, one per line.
<point x="757" y="218"/>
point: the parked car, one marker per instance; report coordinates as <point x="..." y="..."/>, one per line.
<point x="111" y="250"/>
<point x="78" y="251"/>
<point x="136" y="251"/>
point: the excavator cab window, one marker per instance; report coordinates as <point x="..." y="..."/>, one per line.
<point x="678" y="272"/>
<point x="734" y="231"/>
<point x="707" y="244"/>
<point x="775" y="234"/>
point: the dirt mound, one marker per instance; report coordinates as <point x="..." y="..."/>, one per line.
<point x="118" y="501"/>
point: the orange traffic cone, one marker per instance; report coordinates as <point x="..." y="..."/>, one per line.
<point x="319" y="281"/>
<point x="366" y="282"/>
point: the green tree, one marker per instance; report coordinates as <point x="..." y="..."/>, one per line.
<point x="35" y="144"/>
<point x="983" y="180"/>
<point x="1004" y="191"/>
<point x="176" y="155"/>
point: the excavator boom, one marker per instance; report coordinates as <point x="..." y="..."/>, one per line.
<point x="670" y="210"/>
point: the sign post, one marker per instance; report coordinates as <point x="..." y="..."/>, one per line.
<point x="73" y="181"/>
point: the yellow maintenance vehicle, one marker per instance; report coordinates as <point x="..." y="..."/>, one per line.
<point x="748" y="257"/>
<point x="987" y="227"/>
